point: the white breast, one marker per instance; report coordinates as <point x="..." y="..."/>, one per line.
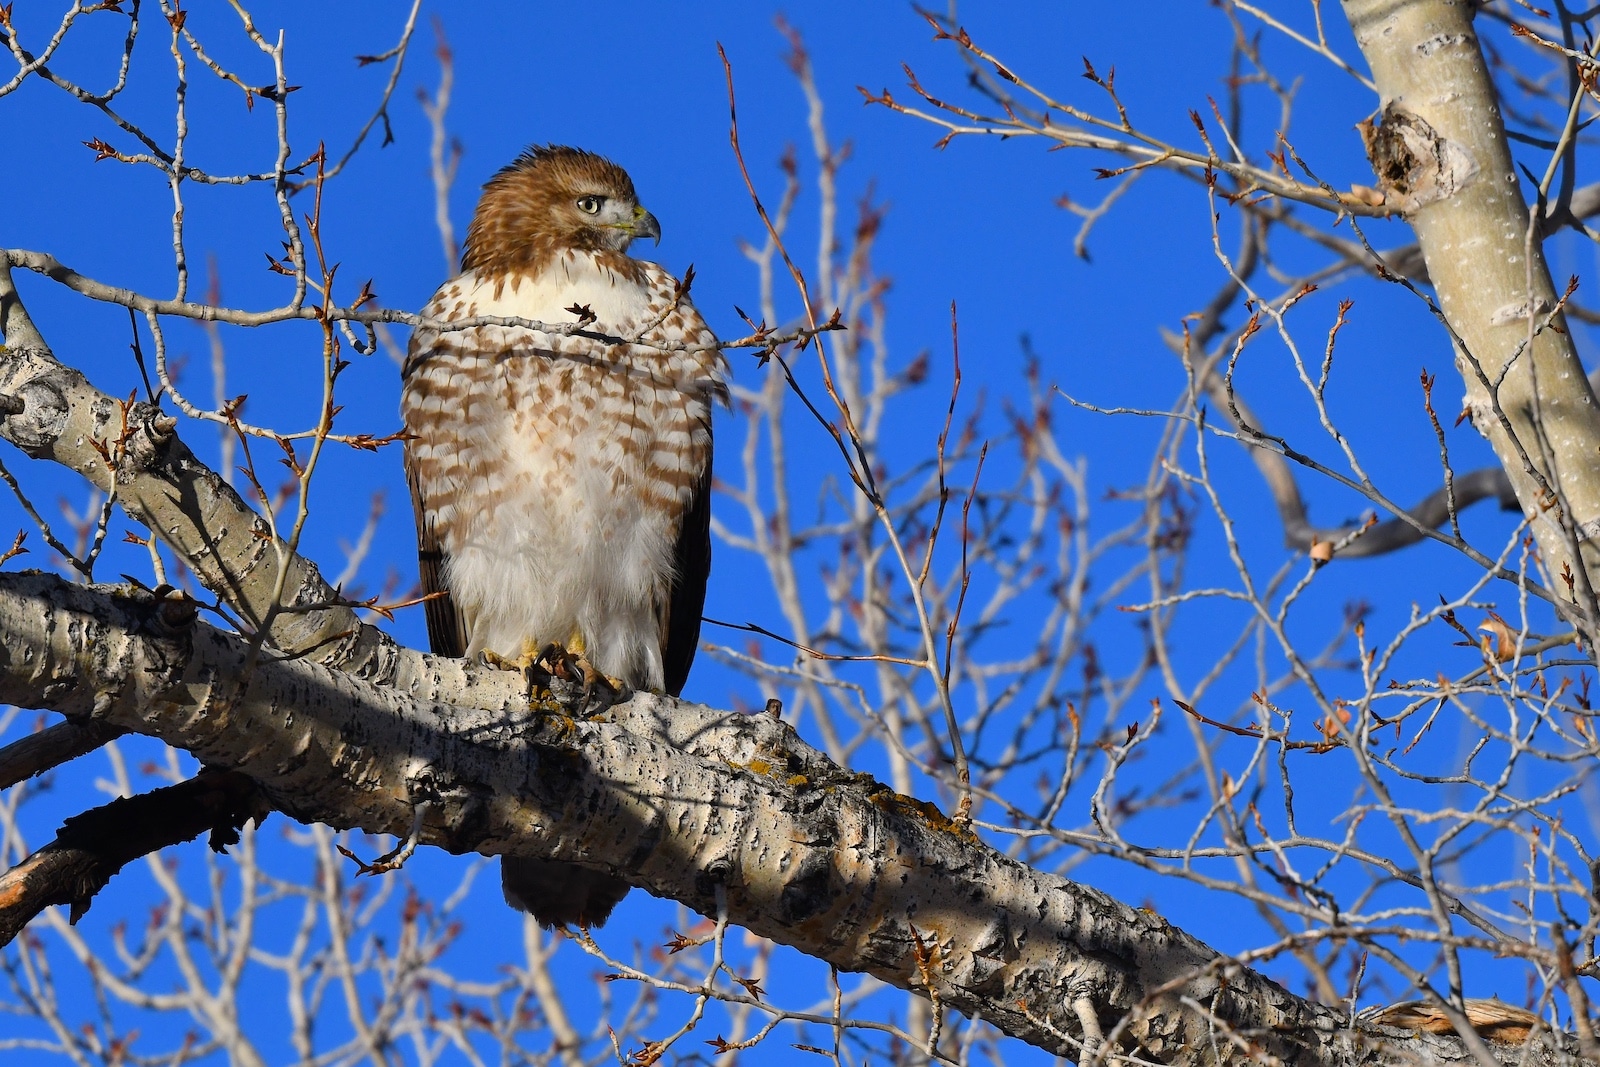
<point x="574" y="280"/>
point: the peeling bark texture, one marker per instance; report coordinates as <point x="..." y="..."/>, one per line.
<point x="1414" y="165"/>
<point x="1440" y="152"/>
<point x="94" y="846"/>
<point x="683" y="801"/>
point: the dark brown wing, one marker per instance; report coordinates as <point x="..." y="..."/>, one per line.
<point x="680" y="615"/>
<point x="447" y="631"/>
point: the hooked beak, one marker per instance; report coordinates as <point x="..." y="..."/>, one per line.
<point x="645" y="225"/>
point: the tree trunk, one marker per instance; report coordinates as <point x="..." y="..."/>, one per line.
<point x="1441" y="156"/>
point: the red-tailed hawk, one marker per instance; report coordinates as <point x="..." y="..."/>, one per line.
<point x="562" y="481"/>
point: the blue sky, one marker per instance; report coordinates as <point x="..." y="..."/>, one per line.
<point x="974" y="223"/>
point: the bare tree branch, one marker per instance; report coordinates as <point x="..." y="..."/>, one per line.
<point x="54" y="745"/>
<point x="715" y="810"/>
<point x="62" y="417"/>
<point x="94" y="846"/>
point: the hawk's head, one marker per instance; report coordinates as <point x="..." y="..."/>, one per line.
<point x="551" y="199"/>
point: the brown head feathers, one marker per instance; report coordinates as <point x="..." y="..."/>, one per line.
<point x="552" y="199"/>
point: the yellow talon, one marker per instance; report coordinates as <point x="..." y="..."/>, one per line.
<point x="543" y="662"/>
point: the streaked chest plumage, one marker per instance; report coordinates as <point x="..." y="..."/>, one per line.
<point x="557" y="468"/>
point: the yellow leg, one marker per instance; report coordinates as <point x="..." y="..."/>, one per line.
<point x="510" y="663"/>
<point x="541" y="662"/>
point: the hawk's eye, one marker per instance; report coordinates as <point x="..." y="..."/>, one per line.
<point x="590" y="205"/>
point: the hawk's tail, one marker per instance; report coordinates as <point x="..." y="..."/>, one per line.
<point x="560" y="894"/>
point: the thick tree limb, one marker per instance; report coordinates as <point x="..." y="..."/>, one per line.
<point x="683" y="801"/>
<point x="161" y="484"/>
<point x="97" y="844"/>
<point x="51" y="747"/>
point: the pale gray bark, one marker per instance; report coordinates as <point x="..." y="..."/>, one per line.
<point x="716" y="810"/>
<point x="1442" y="157"/>
<point x="709" y="808"/>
